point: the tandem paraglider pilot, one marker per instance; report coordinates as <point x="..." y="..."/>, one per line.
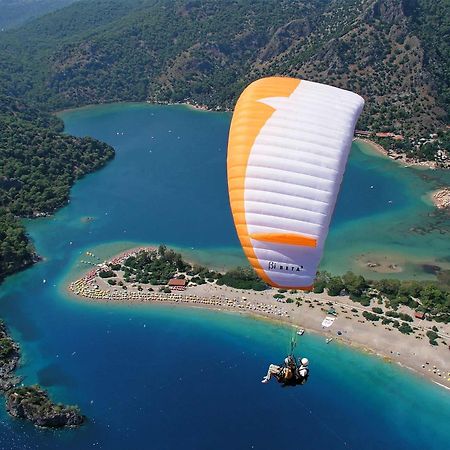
<point x="282" y="188"/>
<point x="289" y="374"/>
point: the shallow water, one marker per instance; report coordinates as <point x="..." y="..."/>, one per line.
<point x="162" y="377"/>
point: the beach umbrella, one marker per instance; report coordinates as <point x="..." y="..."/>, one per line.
<point x="288" y="146"/>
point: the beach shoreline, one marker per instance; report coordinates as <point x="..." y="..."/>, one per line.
<point x="393" y="358"/>
<point x="92" y="105"/>
<point x="440" y="198"/>
<point x="189" y="105"/>
<point x="399" y="158"/>
<point x="307" y="311"/>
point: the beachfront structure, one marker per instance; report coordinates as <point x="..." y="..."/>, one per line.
<point x="177" y="284"/>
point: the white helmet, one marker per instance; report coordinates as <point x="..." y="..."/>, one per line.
<point x="288" y="361"/>
<point x="304" y="361"/>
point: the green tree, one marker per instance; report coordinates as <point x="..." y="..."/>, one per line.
<point x="335" y="286"/>
<point x="388" y="287"/>
<point x="354" y="284"/>
<point x="405" y="328"/>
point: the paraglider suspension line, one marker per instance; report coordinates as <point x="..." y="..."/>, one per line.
<point x="293" y="345"/>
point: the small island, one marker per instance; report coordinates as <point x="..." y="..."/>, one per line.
<point x="349" y="309"/>
<point x="30" y="402"/>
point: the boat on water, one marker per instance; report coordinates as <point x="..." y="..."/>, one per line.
<point x="329" y="340"/>
<point x="300" y="332"/>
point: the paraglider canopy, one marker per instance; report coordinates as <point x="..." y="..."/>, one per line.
<point x="288" y="147"/>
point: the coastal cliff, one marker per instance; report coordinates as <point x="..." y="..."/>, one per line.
<point x="30" y="402"/>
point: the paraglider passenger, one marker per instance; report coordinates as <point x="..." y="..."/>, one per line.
<point x="302" y="371"/>
<point x="284" y="374"/>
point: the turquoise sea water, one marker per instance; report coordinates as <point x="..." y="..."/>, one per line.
<point x="158" y="377"/>
<point x="168" y="184"/>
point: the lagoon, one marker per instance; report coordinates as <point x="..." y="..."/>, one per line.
<point x="171" y="167"/>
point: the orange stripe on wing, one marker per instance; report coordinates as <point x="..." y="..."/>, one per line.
<point x="249" y="117"/>
<point x="285" y="238"/>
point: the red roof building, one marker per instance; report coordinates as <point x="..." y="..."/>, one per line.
<point x="177" y="284"/>
<point x="419" y="315"/>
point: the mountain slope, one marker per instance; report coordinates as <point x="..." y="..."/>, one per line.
<point x="393" y="52"/>
<point x="377" y="55"/>
<point x="430" y="21"/>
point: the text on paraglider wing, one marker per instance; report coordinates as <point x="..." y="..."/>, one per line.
<point x="284" y="267"/>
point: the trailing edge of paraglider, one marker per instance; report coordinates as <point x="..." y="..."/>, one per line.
<point x="288" y="147"/>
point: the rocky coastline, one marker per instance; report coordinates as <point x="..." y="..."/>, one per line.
<point x="33" y="403"/>
<point x="30" y="402"/>
<point x="9" y="359"/>
<point x="441" y="198"/>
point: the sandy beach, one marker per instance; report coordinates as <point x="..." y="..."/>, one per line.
<point x="400" y="158"/>
<point x="346" y="325"/>
<point x="191" y="105"/>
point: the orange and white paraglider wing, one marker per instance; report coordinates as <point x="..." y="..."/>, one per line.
<point x="288" y="147"/>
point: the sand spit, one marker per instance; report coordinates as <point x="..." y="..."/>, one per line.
<point x="300" y="309"/>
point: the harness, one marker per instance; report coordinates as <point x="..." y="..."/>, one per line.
<point x="295" y="378"/>
<point x="282" y="375"/>
<point x="299" y="378"/>
<point x="287" y="371"/>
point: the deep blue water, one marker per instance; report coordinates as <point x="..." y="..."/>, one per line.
<point x="164" y="378"/>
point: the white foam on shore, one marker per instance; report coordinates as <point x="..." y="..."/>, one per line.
<point x="442" y="385"/>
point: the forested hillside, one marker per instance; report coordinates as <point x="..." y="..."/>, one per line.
<point x="430" y="21"/>
<point x="38" y="165"/>
<point x="15" y="250"/>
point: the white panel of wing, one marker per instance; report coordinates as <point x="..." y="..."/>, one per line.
<point x="294" y="173"/>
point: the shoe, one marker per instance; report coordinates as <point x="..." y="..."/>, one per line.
<point x="264" y="380"/>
